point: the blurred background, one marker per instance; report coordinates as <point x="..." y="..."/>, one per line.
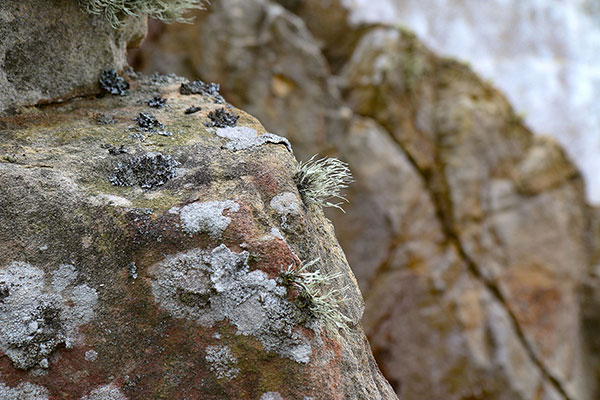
<point x="473" y="130"/>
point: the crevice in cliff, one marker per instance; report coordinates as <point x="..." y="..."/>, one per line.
<point x="439" y="192"/>
<point x="443" y="207"/>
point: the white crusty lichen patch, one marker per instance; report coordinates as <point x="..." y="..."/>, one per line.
<point x="91" y="355"/>
<point x="221" y="362"/>
<point x="210" y="286"/>
<point x="285" y="204"/>
<point x="242" y="138"/>
<point x="106" y="392"/>
<point x="25" y="391"/>
<point x="207" y="217"/>
<point x="37" y="317"/>
<point x="271" y="396"/>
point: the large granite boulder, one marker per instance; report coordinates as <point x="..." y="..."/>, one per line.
<point x="469" y="237"/>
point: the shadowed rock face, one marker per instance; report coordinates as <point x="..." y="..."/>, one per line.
<point x="53" y="50"/>
<point x="469" y="237"/>
<point x="114" y="289"/>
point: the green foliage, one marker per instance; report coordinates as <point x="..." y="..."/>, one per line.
<point x="315" y="296"/>
<point x="115" y="11"/>
<point x="323" y="179"/>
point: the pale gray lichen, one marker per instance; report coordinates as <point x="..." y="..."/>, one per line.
<point x="221" y="362"/>
<point x="277" y="233"/>
<point x="63" y="277"/>
<point x="207" y="217"/>
<point x="91" y="355"/>
<point x="316" y="295"/>
<point x="36" y="318"/>
<point x="319" y="180"/>
<point x="25" y="391"/>
<point x="106" y="392"/>
<point x="241" y="138"/>
<point x="271" y="396"/>
<point x="285" y="204"/>
<point x="116" y="11"/>
<point x="211" y="286"/>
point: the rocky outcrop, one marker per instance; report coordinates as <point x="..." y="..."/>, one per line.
<point x="469" y="237"/>
<point x="155" y="242"/>
<point x="144" y="260"/>
<point x="60" y="56"/>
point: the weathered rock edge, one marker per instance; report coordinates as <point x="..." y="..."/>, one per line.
<point x="170" y="291"/>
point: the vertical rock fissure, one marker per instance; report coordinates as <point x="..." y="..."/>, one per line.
<point x="444" y="206"/>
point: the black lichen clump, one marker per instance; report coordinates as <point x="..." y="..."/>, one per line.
<point x="112" y="150"/>
<point x="148" y="171"/>
<point x="192" y="109"/>
<point x="148" y="122"/>
<point x="204" y="89"/>
<point x="105" y="119"/>
<point x="113" y="83"/>
<point x="4" y="291"/>
<point x="221" y="118"/>
<point x="156" y="102"/>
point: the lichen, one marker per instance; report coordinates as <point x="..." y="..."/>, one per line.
<point x="116" y="11"/>
<point x="203" y="89"/>
<point x="210" y="286"/>
<point x="221" y="118"/>
<point x="25" y="391"/>
<point x="148" y="171"/>
<point x="91" y="355"/>
<point x="285" y="204"/>
<point x="241" y="138"/>
<point x="156" y="102"/>
<point x="207" y="217"/>
<point x="319" y="180"/>
<point x="36" y="318"/>
<point x="192" y="110"/>
<point x="316" y="295"/>
<point x="113" y="83"/>
<point x="271" y="396"/>
<point x="221" y="362"/>
<point x="106" y="392"/>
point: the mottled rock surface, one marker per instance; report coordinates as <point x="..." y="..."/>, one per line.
<point x="469" y="237"/>
<point x="145" y="288"/>
<point x="53" y="50"/>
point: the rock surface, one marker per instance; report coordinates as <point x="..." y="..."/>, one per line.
<point x="61" y="55"/>
<point x="469" y="237"/>
<point x="544" y="55"/>
<point x="170" y="288"/>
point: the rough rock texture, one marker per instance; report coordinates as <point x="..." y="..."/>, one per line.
<point x="469" y="237"/>
<point x="169" y="290"/>
<point x="545" y="55"/>
<point x="59" y="56"/>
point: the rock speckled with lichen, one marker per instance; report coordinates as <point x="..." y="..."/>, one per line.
<point x="154" y="273"/>
<point x="469" y="236"/>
